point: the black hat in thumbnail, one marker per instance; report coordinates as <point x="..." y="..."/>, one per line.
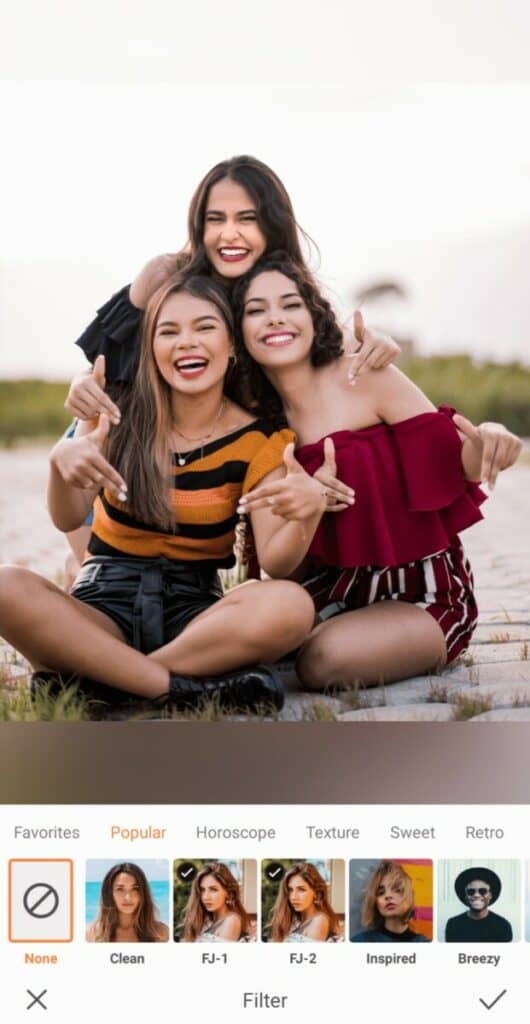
<point x="477" y="874"/>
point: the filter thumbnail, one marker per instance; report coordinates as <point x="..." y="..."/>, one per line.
<point x="468" y="890"/>
<point x="215" y="900"/>
<point x="303" y="900"/>
<point x="391" y="900"/>
<point x="127" y="902"/>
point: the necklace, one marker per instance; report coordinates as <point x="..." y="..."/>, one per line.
<point x="181" y="456"/>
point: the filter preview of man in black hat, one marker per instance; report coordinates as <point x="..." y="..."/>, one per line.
<point x="478" y="888"/>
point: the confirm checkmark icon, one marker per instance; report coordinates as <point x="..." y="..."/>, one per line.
<point x="489" y="1006"/>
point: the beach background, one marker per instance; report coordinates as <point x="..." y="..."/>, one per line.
<point x="156" y="872"/>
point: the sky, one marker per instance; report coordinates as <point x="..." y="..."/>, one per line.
<point x="400" y="132"/>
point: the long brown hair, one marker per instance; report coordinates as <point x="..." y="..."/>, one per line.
<point x="274" y="212"/>
<point x="196" y="918"/>
<point x="284" y="918"/>
<point x="147" y="926"/>
<point x="393" y="872"/>
<point x="139" y="447"/>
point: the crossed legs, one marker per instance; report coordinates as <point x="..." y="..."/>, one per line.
<point x="255" y="622"/>
<point x="381" y="643"/>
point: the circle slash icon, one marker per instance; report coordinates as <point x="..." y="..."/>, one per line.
<point x="41" y="900"/>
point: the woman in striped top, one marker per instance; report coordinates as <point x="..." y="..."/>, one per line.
<point x="239" y="211"/>
<point x="146" y="615"/>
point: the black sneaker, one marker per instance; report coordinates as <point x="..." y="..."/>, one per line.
<point x="257" y="689"/>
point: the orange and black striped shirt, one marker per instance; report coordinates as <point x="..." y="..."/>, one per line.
<point x="204" y="495"/>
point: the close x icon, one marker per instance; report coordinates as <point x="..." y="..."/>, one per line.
<point x="36" y="1000"/>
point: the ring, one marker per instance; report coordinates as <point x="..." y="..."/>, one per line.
<point x="271" y="501"/>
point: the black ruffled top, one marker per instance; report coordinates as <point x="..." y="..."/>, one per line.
<point x="115" y="333"/>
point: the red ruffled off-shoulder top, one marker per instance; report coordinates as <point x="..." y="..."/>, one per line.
<point x="411" y="497"/>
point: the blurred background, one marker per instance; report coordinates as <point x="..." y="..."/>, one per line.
<point x="399" y="134"/>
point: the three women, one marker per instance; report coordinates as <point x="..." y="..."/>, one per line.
<point x="386" y="557"/>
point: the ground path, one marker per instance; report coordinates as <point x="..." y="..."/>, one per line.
<point x="492" y="681"/>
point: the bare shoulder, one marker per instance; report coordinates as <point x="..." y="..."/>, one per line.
<point x="231" y="927"/>
<point x="319" y="927"/>
<point x="162" y="932"/>
<point x="394" y="396"/>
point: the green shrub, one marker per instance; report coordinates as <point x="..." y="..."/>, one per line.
<point x="32" y="409"/>
<point x="480" y="391"/>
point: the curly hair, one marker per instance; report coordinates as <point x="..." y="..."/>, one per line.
<point x="284" y="918"/>
<point x="197" y="918"/>
<point x="327" y="346"/>
<point x="396" y="876"/>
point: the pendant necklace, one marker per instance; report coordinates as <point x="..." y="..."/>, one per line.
<point x="181" y="456"/>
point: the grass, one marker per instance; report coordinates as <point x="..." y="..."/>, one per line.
<point x="17" y="704"/>
<point x="360" y="697"/>
<point x="318" y="712"/>
<point x="438" y="693"/>
<point x="466" y="706"/>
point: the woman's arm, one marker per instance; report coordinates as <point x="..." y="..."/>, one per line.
<point x="285" y="511"/>
<point x="486" y="449"/>
<point x="78" y="471"/>
<point x="151" y="277"/>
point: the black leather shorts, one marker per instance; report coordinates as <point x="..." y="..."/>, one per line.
<point x="151" y="599"/>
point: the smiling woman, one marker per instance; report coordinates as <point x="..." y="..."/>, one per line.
<point x="385" y="567"/>
<point x="233" y="239"/>
<point x="127" y="912"/>
<point x="146" y="617"/>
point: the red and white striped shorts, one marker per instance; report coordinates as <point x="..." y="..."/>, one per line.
<point x="442" y="584"/>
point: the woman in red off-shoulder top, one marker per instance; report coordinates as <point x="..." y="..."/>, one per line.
<point x="385" y="566"/>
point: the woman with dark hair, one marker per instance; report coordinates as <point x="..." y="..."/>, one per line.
<point x="147" y="616"/>
<point x="302" y="911"/>
<point x="214" y="911"/>
<point x="239" y="212"/>
<point x="387" y="572"/>
<point x="126" y="909"/>
<point x="388" y="906"/>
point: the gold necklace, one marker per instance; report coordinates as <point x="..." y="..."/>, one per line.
<point x="181" y="457"/>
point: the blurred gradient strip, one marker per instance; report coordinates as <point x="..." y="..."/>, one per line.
<point x="247" y="763"/>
